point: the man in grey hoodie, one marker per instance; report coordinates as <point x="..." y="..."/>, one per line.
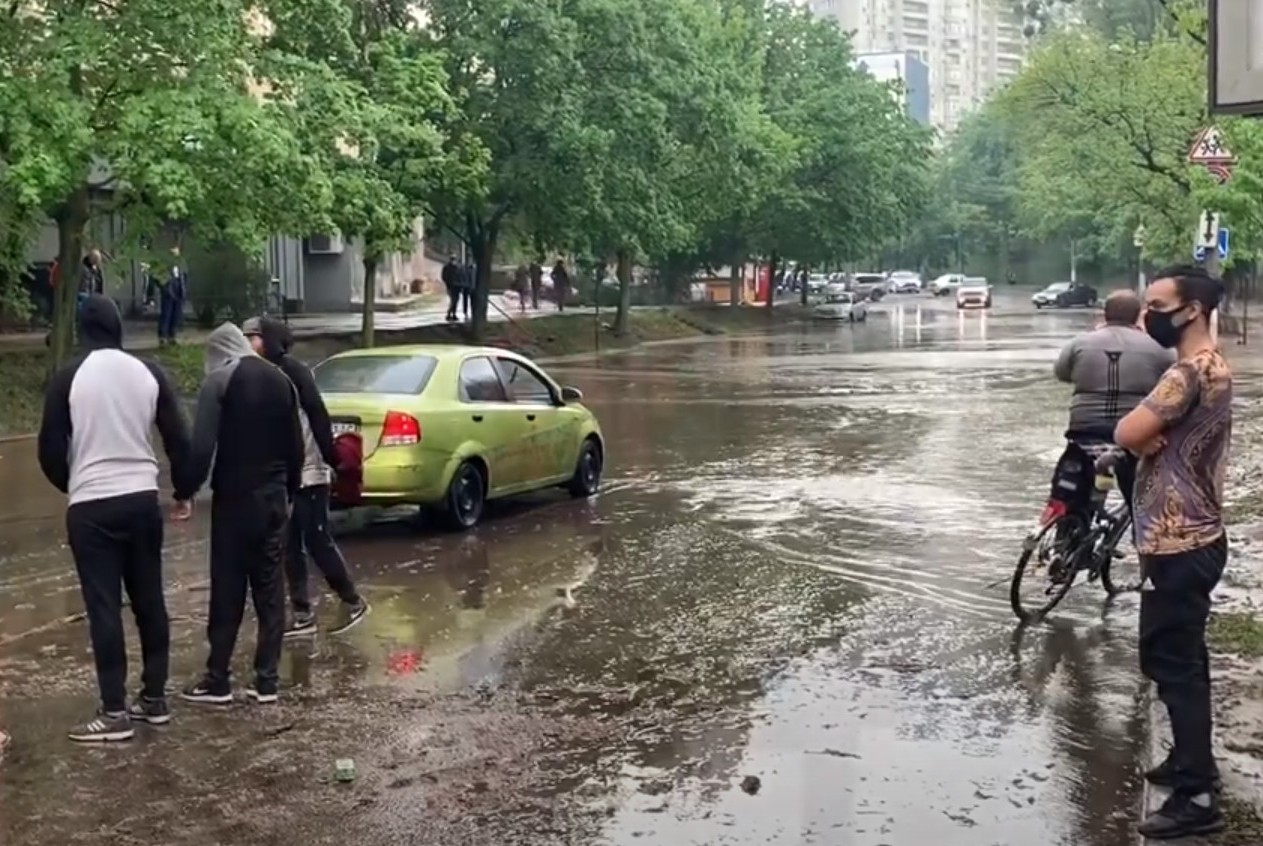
<point x="247" y="424"/>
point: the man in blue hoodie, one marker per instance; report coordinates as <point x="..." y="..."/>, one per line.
<point x="95" y="445"/>
<point x="247" y="423"/>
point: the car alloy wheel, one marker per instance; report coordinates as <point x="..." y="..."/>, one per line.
<point x="466" y="497"/>
<point x="587" y="475"/>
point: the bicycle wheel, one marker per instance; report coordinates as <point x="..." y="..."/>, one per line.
<point x="1114" y="579"/>
<point x="1047" y="567"/>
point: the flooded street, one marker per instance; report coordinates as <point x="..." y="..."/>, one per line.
<point x="784" y="621"/>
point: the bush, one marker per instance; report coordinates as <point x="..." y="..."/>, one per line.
<point x="226" y="284"/>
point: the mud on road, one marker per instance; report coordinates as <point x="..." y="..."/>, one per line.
<point x="779" y="623"/>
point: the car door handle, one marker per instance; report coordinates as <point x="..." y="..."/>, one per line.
<point x="530" y="417"/>
<point x="477" y="418"/>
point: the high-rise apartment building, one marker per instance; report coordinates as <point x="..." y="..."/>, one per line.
<point x="970" y="46"/>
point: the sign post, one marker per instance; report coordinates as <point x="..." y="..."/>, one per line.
<point x="1209" y="151"/>
<point x="1138" y="240"/>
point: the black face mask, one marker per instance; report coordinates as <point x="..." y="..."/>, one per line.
<point x="1163" y="328"/>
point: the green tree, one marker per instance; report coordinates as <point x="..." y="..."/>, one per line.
<point x="146" y="108"/>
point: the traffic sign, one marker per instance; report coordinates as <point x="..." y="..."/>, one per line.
<point x="1207" y="234"/>
<point x="1209" y="148"/>
<point x="1199" y="252"/>
<point x="1209" y="151"/>
<point x="1138" y="237"/>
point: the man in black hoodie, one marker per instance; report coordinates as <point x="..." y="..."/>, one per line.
<point x="95" y="445"/>
<point x="247" y="424"/>
<point x="309" y="526"/>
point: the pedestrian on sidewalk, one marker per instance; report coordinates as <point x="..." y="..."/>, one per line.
<point x="521" y="280"/>
<point x="309" y="531"/>
<point x="451" y="281"/>
<point x="95" y="445"/>
<point x="468" y="282"/>
<point x="171" y="296"/>
<point x="537" y="281"/>
<point x="1182" y="432"/>
<point x="561" y="284"/>
<point x="247" y="422"/>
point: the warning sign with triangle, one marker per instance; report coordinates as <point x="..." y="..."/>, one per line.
<point x="1208" y="148"/>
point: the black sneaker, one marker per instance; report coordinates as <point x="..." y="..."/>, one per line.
<point x="352" y="613"/>
<point x="303" y="624"/>
<point x="206" y="692"/>
<point x="104" y="728"/>
<point x="152" y="711"/>
<point x="1183" y="816"/>
<point x="263" y="694"/>
<point x="1164" y="775"/>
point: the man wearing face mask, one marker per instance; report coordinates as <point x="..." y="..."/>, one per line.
<point x="1182" y="431"/>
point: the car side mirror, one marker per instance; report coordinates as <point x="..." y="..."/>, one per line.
<point x="570" y="394"/>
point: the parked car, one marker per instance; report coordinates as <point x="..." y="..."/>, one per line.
<point x="868" y="286"/>
<point x="943" y="285"/>
<point x="1065" y="295"/>
<point x="973" y="292"/>
<point x="905" y="282"/>
<point x="816" y="282"/>
<point x="841" y="304"/>
<point x="449" y="427"/>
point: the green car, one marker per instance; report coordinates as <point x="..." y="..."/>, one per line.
<point x="450" y="427"/>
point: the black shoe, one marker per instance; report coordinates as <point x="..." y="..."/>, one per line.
<point x="1184" y="816"/>
<point x="262" y="693"/>
<point x="352" y="613"/>
<point x="152" y="711"/>
<point x="104" y="728"/>
<point x="1165" y="773"/>
<point x="206" y="692"/>
<point x="303" y="624"/>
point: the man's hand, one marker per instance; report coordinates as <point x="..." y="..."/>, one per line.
<point x="182" y="511"/>
<point x="1152" y="446"/>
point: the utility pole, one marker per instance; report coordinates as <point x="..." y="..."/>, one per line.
<point x="1138" y="239"/>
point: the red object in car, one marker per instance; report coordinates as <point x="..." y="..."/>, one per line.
<point x="348" y="478"/>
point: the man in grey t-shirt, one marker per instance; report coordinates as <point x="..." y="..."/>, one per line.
<point x="1112" y="368"/>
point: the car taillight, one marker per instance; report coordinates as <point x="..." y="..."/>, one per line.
<point x="399" y="429"/>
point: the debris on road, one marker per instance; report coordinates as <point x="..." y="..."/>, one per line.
<point x="344" y="770"/>
<point x="751" y="784"/>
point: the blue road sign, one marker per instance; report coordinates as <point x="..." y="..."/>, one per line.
<point x="1199" y="253"/>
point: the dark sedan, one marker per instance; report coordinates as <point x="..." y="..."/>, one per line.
<point x="1065" y="295"/>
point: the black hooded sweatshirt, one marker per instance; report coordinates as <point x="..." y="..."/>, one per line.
<point x="99" y="411"/>
<point x="277" y="340"/>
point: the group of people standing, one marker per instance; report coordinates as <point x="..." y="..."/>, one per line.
<point x="1153" y="380"/>
<point x="528" y="280"/>
<point x="261" y="436"/>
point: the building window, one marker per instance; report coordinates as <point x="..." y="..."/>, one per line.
<point x="915" y="40"/>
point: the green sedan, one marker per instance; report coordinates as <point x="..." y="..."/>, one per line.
<point x="450" y="427"/>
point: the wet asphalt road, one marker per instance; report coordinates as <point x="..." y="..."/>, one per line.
<point x="797" y="572"/>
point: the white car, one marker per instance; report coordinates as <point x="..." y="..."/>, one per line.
<point x="840" y="304"/>
<point x="905" y="282"/>
<point x="973" y="292"/>
<point x="947" y="283"/>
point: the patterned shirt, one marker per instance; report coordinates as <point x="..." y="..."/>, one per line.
<point x="1180" y="489"/>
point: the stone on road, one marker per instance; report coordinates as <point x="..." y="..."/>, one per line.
<point x="779" y="624"/>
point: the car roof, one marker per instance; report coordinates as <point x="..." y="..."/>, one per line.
<point x="439" y="351"/>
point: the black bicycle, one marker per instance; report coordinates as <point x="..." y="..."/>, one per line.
<point x="1071" y="541"/>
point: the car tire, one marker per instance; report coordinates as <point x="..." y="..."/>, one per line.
<point x="586" y="480"/>
<point x="466" y="497"/>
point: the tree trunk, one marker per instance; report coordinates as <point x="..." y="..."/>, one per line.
<point x="482" y="243"/>
<point x="771" y="280"/>
<point x="802" y="293"/>
<point x="735" y="278"/>
<point x="624" y="271"/>
<point x="72" y="220"/>
<point x="368" y="329"/>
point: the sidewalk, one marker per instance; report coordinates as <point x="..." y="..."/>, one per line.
<point x="142" y="334"/>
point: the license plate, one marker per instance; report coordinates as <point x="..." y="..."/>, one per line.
<point x="345" y="428"/>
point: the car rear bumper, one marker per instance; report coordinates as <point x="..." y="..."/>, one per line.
<point x="404" y="475"/>
<point x="973" y="302"/>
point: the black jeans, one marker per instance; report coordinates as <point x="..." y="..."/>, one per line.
<point x="1173" y="654"/>
<point x="453" y="301"/>
<point x="309" y="533"/>
<point x="465" y="296"/>
<point x="247" y="550"/>
<point x="117" y="544"/>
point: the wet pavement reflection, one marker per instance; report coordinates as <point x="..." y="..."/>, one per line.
<point x="794" y="582"/>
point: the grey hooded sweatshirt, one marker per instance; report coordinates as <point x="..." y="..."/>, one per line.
<point x="247" y="423"/>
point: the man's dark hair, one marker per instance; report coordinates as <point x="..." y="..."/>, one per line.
<point x="1122" y="308"/>
<point x="1194" y="285"/>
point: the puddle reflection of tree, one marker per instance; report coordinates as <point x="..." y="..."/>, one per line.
<point x="1093" y="665"/>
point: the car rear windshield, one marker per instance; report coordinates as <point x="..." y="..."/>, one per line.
<point x="375" y="374"/>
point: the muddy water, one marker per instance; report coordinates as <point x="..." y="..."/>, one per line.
<point x="797" y="573"/>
